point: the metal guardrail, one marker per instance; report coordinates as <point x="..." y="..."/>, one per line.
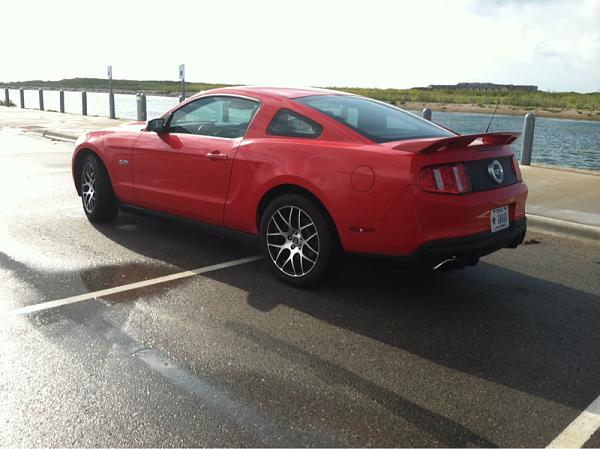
<point x="84" y="103"/>
<point x="142" y="115"/>
<point x="140" y="99"/>
<point x="527" y="146"/>
<point x="427" y="114"/>
<point x="528" y="129"/>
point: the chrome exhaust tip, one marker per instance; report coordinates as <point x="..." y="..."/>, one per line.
<point x="449" y="263"/>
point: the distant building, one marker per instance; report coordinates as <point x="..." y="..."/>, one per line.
<point x="485" y="87"/>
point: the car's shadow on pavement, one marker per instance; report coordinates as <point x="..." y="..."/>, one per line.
<point x="531" y="334"/>
<point x="523" y="332"/>
<point x="175" y="243"/>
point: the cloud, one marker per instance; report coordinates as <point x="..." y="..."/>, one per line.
<point x="555" y="34"/>
<point x="581" y="52"/>
<point x="386" y="43"/>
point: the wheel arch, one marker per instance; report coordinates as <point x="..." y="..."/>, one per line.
<point x="78" y="164"/>
<point x="282" y="189"/>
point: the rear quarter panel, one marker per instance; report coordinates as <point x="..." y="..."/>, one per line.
<point x="419" y="216"/>
<point x="325" y="169"/>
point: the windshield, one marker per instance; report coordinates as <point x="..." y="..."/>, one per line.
<point x="376" y="121"/>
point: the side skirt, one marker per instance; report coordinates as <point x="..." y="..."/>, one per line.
<point x="220" y="231"/>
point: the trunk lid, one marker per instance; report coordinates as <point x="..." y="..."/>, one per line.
<point x="477" y="152"/>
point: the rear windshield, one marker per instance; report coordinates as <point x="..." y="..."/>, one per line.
<point x="376" y="121"/>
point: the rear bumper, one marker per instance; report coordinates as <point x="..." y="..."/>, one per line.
<point x="418" y="217"/>
<point x="455" y="252"/>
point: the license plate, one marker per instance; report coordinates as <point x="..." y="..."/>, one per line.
<point x="499" y="218"/>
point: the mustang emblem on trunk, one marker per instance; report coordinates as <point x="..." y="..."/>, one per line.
<point x="495" y="171"/>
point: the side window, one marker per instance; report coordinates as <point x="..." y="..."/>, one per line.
<point x="214" y="116"/>
<point x="290" y="124"/>
<point x="342" y="113"/>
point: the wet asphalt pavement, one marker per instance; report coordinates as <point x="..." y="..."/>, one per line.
<point x="506" y="353"/>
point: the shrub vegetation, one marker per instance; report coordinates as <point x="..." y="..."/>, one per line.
<point x="540" y="99"/>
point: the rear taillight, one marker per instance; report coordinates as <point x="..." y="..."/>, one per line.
<point x="445" y="179"/>
<point x="516" y="169"/>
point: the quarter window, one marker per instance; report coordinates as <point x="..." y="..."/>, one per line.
<point x="290" y="124"/>
<point x="214" y="116"/>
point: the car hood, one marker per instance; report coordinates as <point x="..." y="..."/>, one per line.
<point x="128" y="127"/>
<point x="128" y="130"/>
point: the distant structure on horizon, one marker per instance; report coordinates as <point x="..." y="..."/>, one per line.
<point x="485" y="87"/>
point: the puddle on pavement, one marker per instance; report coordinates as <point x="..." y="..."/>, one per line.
<point x="99" y="278"/>
<point x="114" y="276"/>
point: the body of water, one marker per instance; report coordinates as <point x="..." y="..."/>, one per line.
<point x="97" y="103"/>
<point x="571" y="143"/>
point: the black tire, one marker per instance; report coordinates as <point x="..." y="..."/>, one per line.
<point x="101" y="205"/>
<point x="308" y="259"/>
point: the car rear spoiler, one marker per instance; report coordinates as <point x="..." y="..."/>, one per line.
<point x="450" y="143"/>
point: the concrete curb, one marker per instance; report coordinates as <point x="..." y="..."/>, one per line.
<point x="55" y="135"/>
<point x="563" y="228"/>
<point x="581" y="171"/>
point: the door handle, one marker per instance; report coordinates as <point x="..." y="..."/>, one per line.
<point x="215" y="155"/>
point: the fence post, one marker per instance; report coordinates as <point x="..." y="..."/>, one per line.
<point x="141" y="107"/>
<point x="427" y="114"/>
<point x="6" y="97"/>
<point x="22" y="98"/>
<point x="111" y="105"/>
<point x="41" y="95"/>
<point x="61" y="100"/>
<point x="84" y="103"/>
<point x="527" y="147"/>
<point x="182" y="78"/>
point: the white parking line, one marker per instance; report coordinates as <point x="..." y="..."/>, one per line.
<point x="123" y="288"/>
<point x="579" y="431"/>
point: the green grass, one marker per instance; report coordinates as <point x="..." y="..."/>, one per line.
<point x="3" y="103"/>
<point x="524" y="100"/>
<point x="540" y="99"/>
<point x="124" y="86"/>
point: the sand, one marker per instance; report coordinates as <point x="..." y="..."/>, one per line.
<point x="510" y="110"/>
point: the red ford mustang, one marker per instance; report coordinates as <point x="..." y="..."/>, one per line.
<point x="314" y="174"/>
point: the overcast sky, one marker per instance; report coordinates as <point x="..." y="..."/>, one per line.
<point x="553" y="44"/>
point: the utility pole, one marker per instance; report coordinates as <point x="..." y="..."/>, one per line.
<point x="111" y="95"/>
<point x="182" y="78"/>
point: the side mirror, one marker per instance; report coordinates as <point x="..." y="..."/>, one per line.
<point x="157" y="125"/>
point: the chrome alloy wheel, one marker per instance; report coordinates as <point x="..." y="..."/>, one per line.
<point x="88" y="187"/>
<point x="293" y="241"/>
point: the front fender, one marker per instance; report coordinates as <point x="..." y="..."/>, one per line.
<point x="88" y="142"/>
